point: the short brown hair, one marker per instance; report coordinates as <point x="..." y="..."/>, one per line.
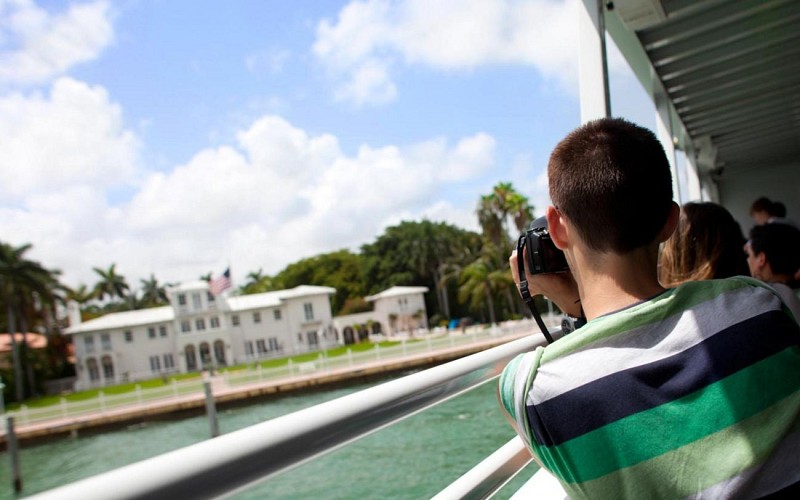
<point x="612" y="180"/>
<point x="707" y="244"/>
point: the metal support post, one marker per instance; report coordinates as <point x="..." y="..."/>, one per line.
<point x="13" y="454"/>
<point x="211" y="409"/>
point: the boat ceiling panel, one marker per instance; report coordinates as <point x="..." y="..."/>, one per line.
<point x="732" y="71"/>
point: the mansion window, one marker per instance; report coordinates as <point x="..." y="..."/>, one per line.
<point x="210" y="296"/>
<point x="88" y="344"/>
<point x="94" y="371"/>
<point x="276" y="314"/>
<point x="186" y="326"/>
<point x="235" y="320"/>
<point x="181" y="299"/>
<point x="273" y="344"/>
<point x="196" y="301"/>
<point x="105" y="341"/>
<point x="162" y="331"/>
<point x="256" y="317"/>
<point x="248" y="347"/>
<point x="128" y="336"/>
<point x="214" y="322"/>
<point x="169" y="362"/>
<point x="151" y="332"/>
<point x="155" y="364"/>
<point x="108" y="367"/>
<point x="200" y="324"/>
<point x="261" y="345"/>
<point x="308" y="309"/>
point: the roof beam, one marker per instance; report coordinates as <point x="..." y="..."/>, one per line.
<point x="682" y="27"/>
<point x="725" y="34"/>
<point x="786" y="37"/>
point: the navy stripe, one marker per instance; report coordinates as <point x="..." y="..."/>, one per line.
<point x="641" y="388"/>
<point x="791" y="491"/>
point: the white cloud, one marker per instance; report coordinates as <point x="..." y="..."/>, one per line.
<point x="371" y="37"/>
<point x="369" y="83"/>
<point x="272" y="60"/>
<point x="36" y="46"/>
<point x="276" y="195"/>
<point x="73" y="136"/>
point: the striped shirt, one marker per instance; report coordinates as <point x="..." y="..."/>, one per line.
<point x="695" y="393"/>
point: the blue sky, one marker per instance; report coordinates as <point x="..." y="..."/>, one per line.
<point x="177" y="137"/>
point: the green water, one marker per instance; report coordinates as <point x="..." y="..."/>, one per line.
<point x="415" y="458"/>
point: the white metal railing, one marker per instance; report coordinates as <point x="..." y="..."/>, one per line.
<point x="141" y="396"/>
<point x="491" y="474"/>
<point x="234" y="461"/>
<point x="103" y="403"/>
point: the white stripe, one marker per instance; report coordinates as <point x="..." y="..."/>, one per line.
<point x="520" y="387"/>
<point x="652" y="342"/>
<point x="781" y="470"/>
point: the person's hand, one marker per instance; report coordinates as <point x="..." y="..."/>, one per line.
<point x="558" y="287"/>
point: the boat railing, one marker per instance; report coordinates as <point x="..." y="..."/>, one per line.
<point x="234" y="461"/>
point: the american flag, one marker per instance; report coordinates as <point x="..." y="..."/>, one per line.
<point x="218" y="285"/>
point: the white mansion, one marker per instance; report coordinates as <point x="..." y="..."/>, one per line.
<point x="198" y="330"/>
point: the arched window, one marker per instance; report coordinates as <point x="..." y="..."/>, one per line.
<point x="191" y="358"/>
<point x="376" y="328"/>
<point x="219" y="352"/>
<point x="205" y="354"/>
<point x="347" y="333"/>
<point x="94" y="372"/>
<point x="108" y="368"/>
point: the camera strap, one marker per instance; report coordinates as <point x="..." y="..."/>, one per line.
<point x="526" y="293"/>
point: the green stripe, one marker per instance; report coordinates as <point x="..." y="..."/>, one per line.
<point x="665" y="428"/>
<point x="672" y="302"/>
<point x="703" y="463"/>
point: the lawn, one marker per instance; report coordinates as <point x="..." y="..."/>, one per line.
<point x="45" y="401"/>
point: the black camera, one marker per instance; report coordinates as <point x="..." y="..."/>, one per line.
<point x="543" y="256"/>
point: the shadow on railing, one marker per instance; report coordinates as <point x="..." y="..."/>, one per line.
<point x="234" y="461"/>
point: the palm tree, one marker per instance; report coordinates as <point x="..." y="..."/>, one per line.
<point x="484" y="277"/>
<point x="153" y="294"/>
<point x="495" y="209"/>
<point x="490" y="218"/>
<point x="27" y="289"/>
<point x="257" y="282"/>
<point x="521" y="211"/>
<point x="111" y="284"/>
<point x="82" y="295"/>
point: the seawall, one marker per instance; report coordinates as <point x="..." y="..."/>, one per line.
<point x="225" y="395"/>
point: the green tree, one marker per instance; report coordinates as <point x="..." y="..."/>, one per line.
<point x="80" y="295"/>
<point x="153" y="293"/>
<point x="417" y="253"/>
<point x="485" y="278"/>
<point x="111" y="284"/>
<point x="501" y="210"/>
<point x="500" y="213"/>
<point x="28" y="291"/>
<point x="340" y="270"/>
<point x="257" y="282"/>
